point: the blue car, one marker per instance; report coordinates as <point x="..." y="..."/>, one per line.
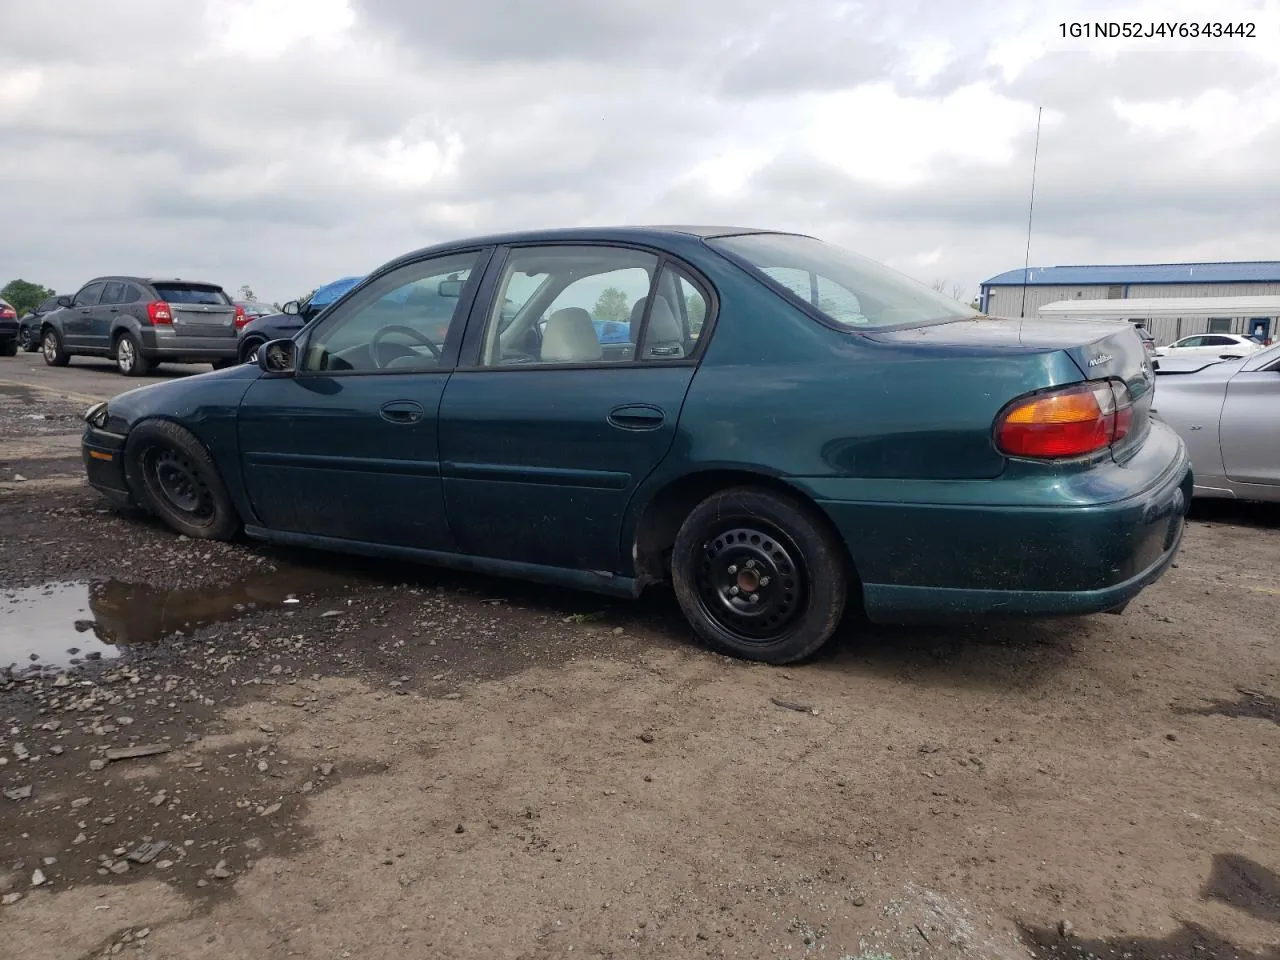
<point x="295" y="315"/>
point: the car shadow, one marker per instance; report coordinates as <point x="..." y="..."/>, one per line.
<point x="1234" y="880"/>
<point x="1240" y="513"/>
<point x="165" y="371"/>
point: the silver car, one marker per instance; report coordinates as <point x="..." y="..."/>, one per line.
<point x="1228" y="414"/>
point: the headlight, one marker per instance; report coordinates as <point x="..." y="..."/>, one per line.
<point x="96" y="415"/>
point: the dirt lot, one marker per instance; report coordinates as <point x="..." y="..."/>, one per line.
<point x="373" y="760"/>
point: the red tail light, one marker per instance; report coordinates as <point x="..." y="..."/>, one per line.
<point x="8" y="313"/>
<point x="1068" y="422"/>
<point x="158" y="311"/>
<point x="241" y="319"/>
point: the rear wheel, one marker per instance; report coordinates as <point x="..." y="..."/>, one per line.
<point x="27" y="340"/>
<point x="759" y="575"/>
<point x="55" y="354"/>
<point x="172" y="474"/>
<point x="129" y="358"/>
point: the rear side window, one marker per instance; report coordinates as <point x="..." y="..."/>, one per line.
<point x="851" y="292"/>
<point x="114" y="293"/>
<point x="131" y="294"/>
<point x="192" y="293"/>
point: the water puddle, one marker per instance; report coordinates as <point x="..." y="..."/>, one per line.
<point x="62" y="624"/>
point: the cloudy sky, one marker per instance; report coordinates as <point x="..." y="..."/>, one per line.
<point x="283" y="143"/>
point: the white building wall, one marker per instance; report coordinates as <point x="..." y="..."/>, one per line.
<point x="1007" y="302"/>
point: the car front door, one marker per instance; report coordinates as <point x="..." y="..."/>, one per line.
<point x="1250" y="413"/>
<point x="77" y="319"/>
<point x="346" y="447"/>
<point x="104" y="313"/>
<point x="545" y="433"/>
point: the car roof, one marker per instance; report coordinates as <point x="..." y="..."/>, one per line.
<point x="150" y="280"/>
<point x="616" y="234"/>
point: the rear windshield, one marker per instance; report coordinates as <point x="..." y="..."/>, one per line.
<point x="191" y="293"/>
<point x="851" y="291"/>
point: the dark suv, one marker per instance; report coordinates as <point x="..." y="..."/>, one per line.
<point x="139" y="323"/>
<point x="29" y="325"/>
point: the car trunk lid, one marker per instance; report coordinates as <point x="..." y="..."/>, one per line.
<point x="1100" y="350"/>
<point x="199" y="309"/>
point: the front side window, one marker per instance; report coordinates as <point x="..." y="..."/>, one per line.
<point x="89" y="295"/>
<point x="852" y="292"/>
<point x="398" y="323"/>
<point x="568" y="304"/>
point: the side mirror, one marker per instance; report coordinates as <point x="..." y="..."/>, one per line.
<point x="279" y="357"/>
<point x="293" y="308"/>
<point x="452" y="289"/>
<point x="64" y="301"/>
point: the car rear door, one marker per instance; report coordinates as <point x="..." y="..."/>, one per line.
<point x="199" y="311"/>
<point x="104" y="314"/>
<point x="77" y="319"/>
<point x="1248" y="430"/>
<point x="544" y="437"/>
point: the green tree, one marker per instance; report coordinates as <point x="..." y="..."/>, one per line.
<point x="24" y="296"/>
<point x="246" y="292"/>
<point x="612" y="305"/>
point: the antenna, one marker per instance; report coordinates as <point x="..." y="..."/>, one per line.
<point x="1026" y="263"/>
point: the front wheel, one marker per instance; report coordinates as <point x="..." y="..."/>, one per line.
<point x="27" y="340"/>
<point x="249" y="348"/>
<point x="172" y="474"/>
<point x="55" y="354"/>
<point x="759" y="575"/>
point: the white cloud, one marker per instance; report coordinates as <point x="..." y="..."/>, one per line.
<point x="286" y="142"/>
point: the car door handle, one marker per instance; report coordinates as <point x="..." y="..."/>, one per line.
<point x="84" y="309"/>
<point x="115" y="309"/>
<point x="401" y="411"/>
<point x="637" y="416"/>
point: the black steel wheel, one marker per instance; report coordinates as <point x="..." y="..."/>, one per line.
<point x="171" y="473"/>
<point x="760" y="575"/>
<point x="27" y="340"/>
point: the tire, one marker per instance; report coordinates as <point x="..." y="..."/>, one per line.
<point x="129" y="358"/>
<point x="223" y="364"/>
<point x="27" y="340"/>
<point x="248" y="347"/>
<point x="747" y="541"/>
<point x="172" y="475"/>
<point x="8" y="347"/>
<point x="55" y="354"/>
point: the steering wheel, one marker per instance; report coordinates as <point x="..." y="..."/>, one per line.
<point x="417" y="335"/>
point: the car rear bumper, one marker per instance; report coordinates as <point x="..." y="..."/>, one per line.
<point x="166" y="344"/>
<point x="1062" y="544"/>
<point x="8" y="328"/>
<point x="103" y="456"/>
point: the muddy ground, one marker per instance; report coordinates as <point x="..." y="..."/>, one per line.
<point x="377" y="760"/>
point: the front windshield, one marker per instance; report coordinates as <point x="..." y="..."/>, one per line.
<point x="851" y="291"/>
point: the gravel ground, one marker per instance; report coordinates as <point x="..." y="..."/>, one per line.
<point x="353" y="759"/>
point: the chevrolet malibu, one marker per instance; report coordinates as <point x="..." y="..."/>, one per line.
<point x="787" y="431"/>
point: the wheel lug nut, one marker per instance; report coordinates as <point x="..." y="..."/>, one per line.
<point x="733" y="591"/>
<point x="754" y="598"/>
<point x="764" y="581"/>
<point x="733" y="568"/>
<point x="751" y="564"/>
